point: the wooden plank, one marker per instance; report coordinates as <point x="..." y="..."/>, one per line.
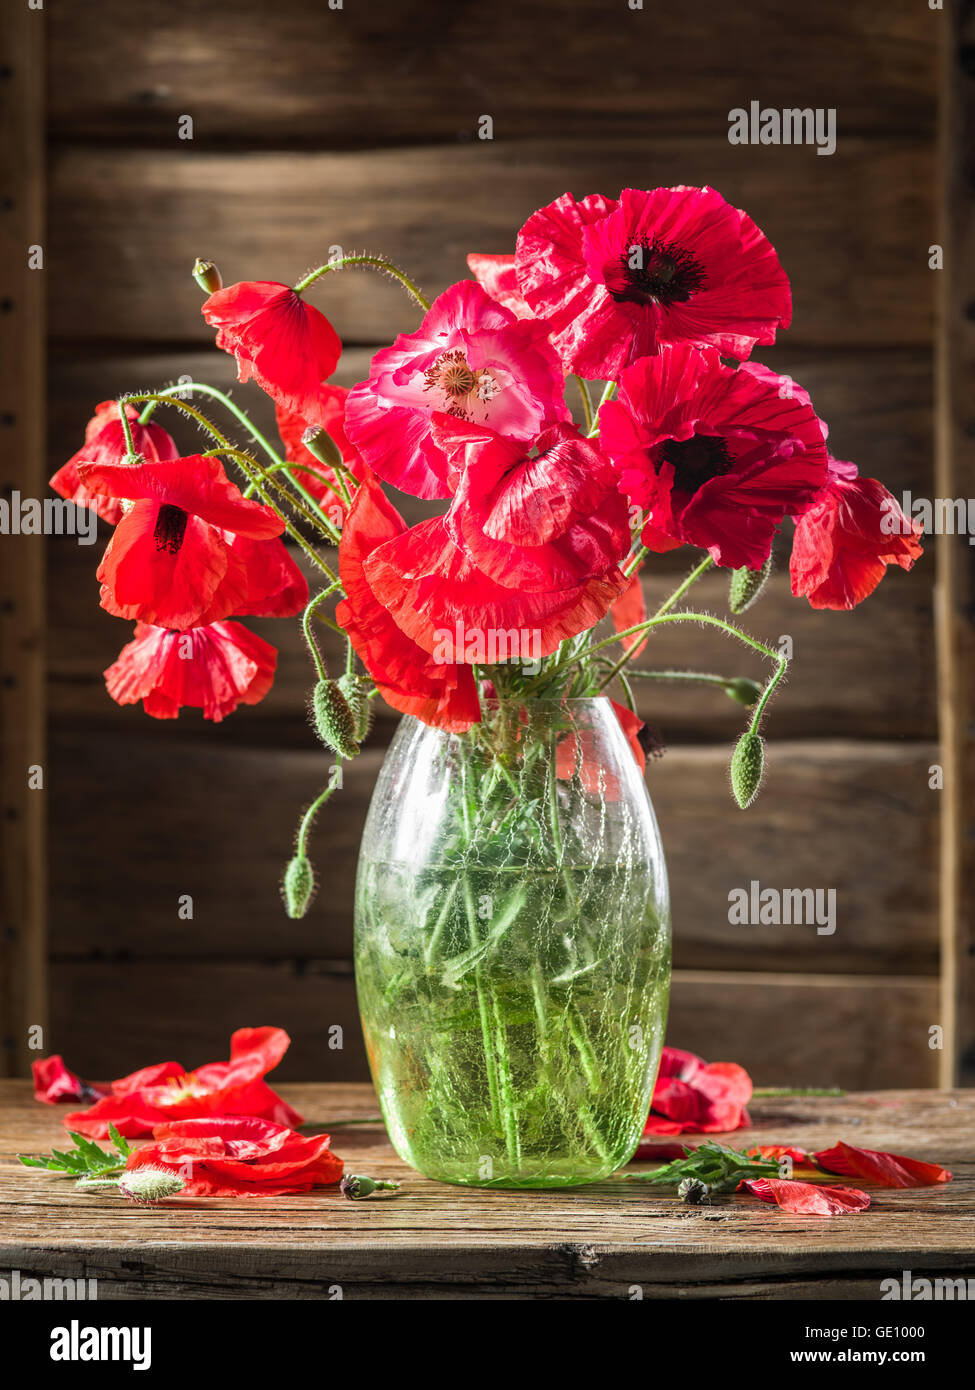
<point x="216" y="822"/>
<point x="434" y="1241"/>
<point x="388" y="72"/>
<point x="23" y="1002"/>
<point x="955" y="477"/>
<point x="850" y="229"/>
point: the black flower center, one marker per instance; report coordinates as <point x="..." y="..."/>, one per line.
<point x="697" y="460"/>
<point x="652" y="271"/>
<point x="170" y="528"/>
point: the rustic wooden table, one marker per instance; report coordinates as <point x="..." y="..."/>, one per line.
<point x="432" y="1241"/>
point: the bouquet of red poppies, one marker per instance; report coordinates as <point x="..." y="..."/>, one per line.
<point x="653" y="305"/>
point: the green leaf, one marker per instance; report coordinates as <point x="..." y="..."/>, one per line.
<point x="30" y="1161"/>
<point x="121" y="1143"/>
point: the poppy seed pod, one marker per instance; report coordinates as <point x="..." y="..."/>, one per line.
<point x="747" y="766"/>
<point x="298" y="886"/>
<point x="335" y="722"/>
<point x="746" y="585"/>
<point x="322" y="446"/>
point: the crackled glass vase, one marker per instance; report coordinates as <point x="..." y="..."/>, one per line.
<point x="513" y="946"/>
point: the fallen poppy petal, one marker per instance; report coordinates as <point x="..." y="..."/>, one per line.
<point x="875" y="1165"/>
<point x="805" y="1198"/>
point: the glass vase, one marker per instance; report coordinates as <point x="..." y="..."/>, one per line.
<point x="513" y="945"/>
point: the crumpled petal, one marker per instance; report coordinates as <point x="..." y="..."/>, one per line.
<point x="806" y="1198"/>
<point x="876" y="1165"/>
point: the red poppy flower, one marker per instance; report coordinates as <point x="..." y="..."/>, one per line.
<point x="577" y="753"/>
<point x="845" y="541"/>
<point x="213" y="668"/>
<point x="692" y="1096"/>
<point x="717" y="456"/>
<point x="616" y="280"/>
<point x="470" y="358"/>
<point x="329" y="413"/>
<point x="167" y="1091"/>
<point x="451" y="608"/>
<point x="171" y="561"/>
<point x="53" y="1082"/>
<point x="239" y="1156"/>
<point x="105" y="443"/>
<point x="805" y="1198"/>
<point x="408" y="678"/>
<point x="538" y="521"/>
<point x="499" y="278"/>
<point x="874" y="1165"/>
<point x="286" y="345"/>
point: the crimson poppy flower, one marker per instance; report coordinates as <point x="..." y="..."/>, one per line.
<point x="171" y="561"/>
<point x="239" y="1156"/>
<point x="498" y="276"/>
<point x="167" y="1091"/>
<point x="692" y="1096"/>
<point x="890" y="1170"/>
<point x="844" y="542"/>
<point x="534" y="521"/>
<point x="213" y="668"/>
<point x="471" y="358"/>
<point x="286" y="345"/>
<point x="329" y="413"/>
<point x="440" y="599"/>
<point x="105" y="443"/>
<point x="717" y="456"/>
<point x="408" y="678"/>
<point x="616" y="280"/>
<point x="53" y="1082"/>
<point x="805" y="1198"/>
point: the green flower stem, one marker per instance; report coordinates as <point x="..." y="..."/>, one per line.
<point x="307" y="508"/>
<point x="771" y="1092"/>
<point x="252" y="469"/>
<point x="635" y="561"/>
<point x="665" y="607"/>
<point x="308" y="819"/>
<point x="609" y="390"/>
<point x="126" y="426"/>
<point x="636" y="673"/>
<point x="378" y="262"/>
<point x="310" y="639"/>
<point x="241" y="416"/>
<point x="586" y="401"/>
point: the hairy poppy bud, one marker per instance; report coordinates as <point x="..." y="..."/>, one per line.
<point x="354" y="690"/>
<point x="334" y="720"/>
<point x="207" y="276"/>
<point x="356" y="1187"/>
<point x="747" y="766"/>
<point x="320" y="443"/>
<point x="298" y="886"/>
<point x="746" y="585"/>
<point x="147" y="1185"/>
<point x="743" y="690"/>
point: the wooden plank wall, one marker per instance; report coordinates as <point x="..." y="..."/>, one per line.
<point x="357" y="127"/>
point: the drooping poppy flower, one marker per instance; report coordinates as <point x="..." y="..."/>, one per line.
<point x="692" y="1096"/>
<point x="409" y="679"/>
<point x="274" y="585"/>
<point x="844" y="542"/>
<point x="285" y="344"/>
<point x="875" y="1165"/>
<point x="805" y="1198"/>
<point x="213" y="668"/>
<point x="616" y="280"/>
<point x="105" y="443"/>
<point x="170" y="561"/>
<point x="470" y="358"/>
<point x="534" y="521"/>
<point x="53" y="1082"/>
<point x="329" y="413"/>
<point x="441" y="600"/>
<point x="716" y="456"/>
<point x="167" y="1091"/>
<point x="239" y="1156"/>
<point x="498" y="276"/>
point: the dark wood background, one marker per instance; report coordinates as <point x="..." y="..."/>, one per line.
<point x="358" y="127"/>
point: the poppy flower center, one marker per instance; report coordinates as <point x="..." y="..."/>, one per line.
<point x="652" y="271"/>
<point x="459" y="383"/>
<point x="697" y="460"/>
<point x="170" y="528"/>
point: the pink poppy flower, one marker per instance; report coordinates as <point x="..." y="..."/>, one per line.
<point x="716" y="455"/>
<point x="847" y="538"/>
<point x="498" y="276"/>
<point x="616" y="280"/>
<point x="470" y="358"/>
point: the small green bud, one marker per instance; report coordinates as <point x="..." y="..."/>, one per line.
<point x="150" y="1184"/>
<point x="334" y="720"/>
<point x="298" y="886"/>
<point x="747" y="766"/>
<point x="746" y="585"/>
<point x="355" y="1187"/>
<point x="207" y="276"/>
<point x="743" y="691"/>
<point x="320" y="443"/>
<point x="692" y="1191"/>
<point x="354" y="690"/>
